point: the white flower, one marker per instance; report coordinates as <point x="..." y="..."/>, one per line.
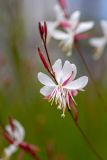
<point x="66" y="87"/>
<point x="100" y="43"/>
<point x="16" y="135"/>
<point x="75" y="27"/>
<point x="54" y="24"/>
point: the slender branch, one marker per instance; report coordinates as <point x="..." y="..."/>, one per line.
<point x="51" y="72"/>
<point x="47" y="54"/>
<point x="90" y="75"/>
<point x="85" y="138"/>
<point x="43" y="34"/>
<point x="21" y="155"/>
<point x="37" y="158"/>
<point x="64" y="7"/>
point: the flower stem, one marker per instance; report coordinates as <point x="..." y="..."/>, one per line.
<point x="47" y="54"/>
<point x="37" y="158"/>
<point x="90" y="75"/>
<point x="21" y="155"/>
<point x="49" y="60"/>
<point x="86" y="138"/>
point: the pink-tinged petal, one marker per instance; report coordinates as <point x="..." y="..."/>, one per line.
<point x="82" y="36"/>
<point x="77" y="84"/>
<point x="64" y="24"/>
<point x="59" y="35"/>
<point x="63" y="4"/>
<point x="74" y="93"/>
<point x="74" y="71"/>
<point x="104" y="27"/>
<point x="57" y="68"/>
<point x="84" y="26"/>
<point x="20" y="130"/>
<point x="59" y="12"/>
<point x="46" y="91"/>
<point x="68" y="71"/>
<point x="18" y="133"/>
<point x="74" y="19"/>
<point x="45" y="79"/>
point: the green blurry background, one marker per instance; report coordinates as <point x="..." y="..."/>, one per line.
<point x="19" y="88"/>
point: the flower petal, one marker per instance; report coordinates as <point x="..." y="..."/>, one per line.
<point x="59" y="35"/>
<point x="84" y="26"/>
<point x="74" y="70"/>
<point x="78" y="84"/>
<point x="104" y="27"/>
<point x="97" y="42"/>
<point x="46" y="91"/>
<point x="74" y="19"/>
<point x="51" y="26"/>
<point x="19" y="132"/>
<point x="57" y="68"/>
<point x="59" y="12"/>
<point x="68" y="70"/>
<point x="10" y="150"/>
<point x="45" y="79"/>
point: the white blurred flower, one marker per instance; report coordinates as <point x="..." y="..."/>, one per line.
<point x="100" y="43"/>
<point x="66" y="87"/>
<point x="54" y="24"/>
<point x="15" y="135"/>
<point x="72" y="28"/>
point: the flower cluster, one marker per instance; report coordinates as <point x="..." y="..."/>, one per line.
<point x="61" y="87"/>
<point x="68" y="28"/>
<point x="14" y="134"/>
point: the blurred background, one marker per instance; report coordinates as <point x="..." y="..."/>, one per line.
<point x="58" y="138"/>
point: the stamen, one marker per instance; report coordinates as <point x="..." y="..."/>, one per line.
<point x="63" y="115"/>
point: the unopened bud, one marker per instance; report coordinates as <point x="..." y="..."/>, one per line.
<point x="43" y="60"/>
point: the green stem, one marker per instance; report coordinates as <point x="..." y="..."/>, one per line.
<point x="91" y="76"/>
<point x="86" y="138"/>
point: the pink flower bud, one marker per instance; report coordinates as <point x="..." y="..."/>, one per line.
<point x="43" y="60"/>
<point x="7" y="137"/>
<point x="62" y="4"/>
<point x="41" y="30"/>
